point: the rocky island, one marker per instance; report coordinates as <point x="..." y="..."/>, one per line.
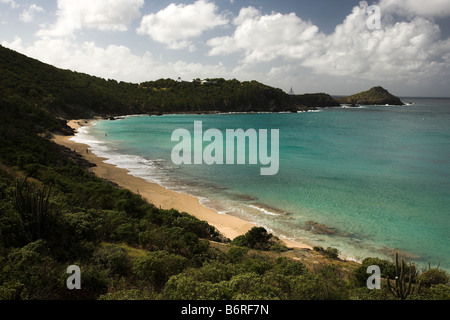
<point x="375" y="96"/>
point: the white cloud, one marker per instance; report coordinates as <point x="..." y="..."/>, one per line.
<point x="429" y="8"/>
<point x="99" y="14"/>
<point x="176" y="24"/>
<point x="263" y="38"/>
<point x="249" y="13"/>
<point x="400" y="51"/>
<point x="12" y="3"/>
<point x="28" y="14"/>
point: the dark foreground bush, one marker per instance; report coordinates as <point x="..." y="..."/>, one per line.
<point x="259" y="239"/>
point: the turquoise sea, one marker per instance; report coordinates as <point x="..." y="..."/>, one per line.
<point x="369" y="180"/>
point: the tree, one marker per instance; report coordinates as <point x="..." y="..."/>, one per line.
<point x="258" y="238"/>
<point x="255" y="238"/>
<point x="433" y="276"/>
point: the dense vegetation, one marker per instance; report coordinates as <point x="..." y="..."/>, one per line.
<point x="55" y="213"/>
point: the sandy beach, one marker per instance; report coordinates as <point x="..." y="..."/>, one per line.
<point x="159" y="196"/>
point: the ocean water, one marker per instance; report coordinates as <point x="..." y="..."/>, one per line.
<point x="369" y="181"/>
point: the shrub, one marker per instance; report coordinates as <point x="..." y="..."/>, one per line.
<point x="250" y="286"/>
<point x="119" y="227"/>
<point x="288" y="267"/>
<point x="185" y="287"/>
<point x="157" y="267"/>
<point x="13" y="290"/>
<point x="433" y="277"/>
<point x="256" y="264"/>
<point x="360" y="274"/>
<point x="327" y="283"/>
<point x="258" y="238"/>
<point x="331" y="284"/>
<point x="440" y="292"/>
<point x="12" y="233"/>
<point x="213" y="272"/>
<point x="304" y="287"/>
<point x="130" y="203"/>
<point x="32" y="267"/>
<point x="363" y="293"/>
<point x="329" y="252"/>
<point x="114" y="258"/>
<point x="200" y="228"/>
<point x="94" y="283"/>
<point x="236" y="254"/>
<point x="83" y="225"/>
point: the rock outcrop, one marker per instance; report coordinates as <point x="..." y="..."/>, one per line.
<point x="374" y="96"/>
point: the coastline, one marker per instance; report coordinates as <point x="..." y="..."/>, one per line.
<point x="229" y="226"/>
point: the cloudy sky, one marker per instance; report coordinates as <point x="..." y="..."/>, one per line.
<point x="312" y="46"/>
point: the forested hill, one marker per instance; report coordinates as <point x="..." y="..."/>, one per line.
<point x="64" y="93"/>
<point x="69" y="94"/>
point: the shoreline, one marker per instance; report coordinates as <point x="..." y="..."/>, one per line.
<point x="229" y="226"/>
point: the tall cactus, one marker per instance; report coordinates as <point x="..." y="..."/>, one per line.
<point x="33" y="207"/>
<point x="403" y="288"/>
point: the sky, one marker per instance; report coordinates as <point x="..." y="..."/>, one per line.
<point x="340" y="47"/>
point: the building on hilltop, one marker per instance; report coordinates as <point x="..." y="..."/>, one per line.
<point x="182" y="81"/>
<point x="291" y="92"/>
<point x="204" y="82"/>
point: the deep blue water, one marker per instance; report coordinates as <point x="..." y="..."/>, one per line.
<point x="376" y="177"/>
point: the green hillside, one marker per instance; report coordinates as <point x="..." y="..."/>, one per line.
<point x="74" y="95"/>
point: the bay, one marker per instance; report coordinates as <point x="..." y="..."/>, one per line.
<point x="369" y="181"/>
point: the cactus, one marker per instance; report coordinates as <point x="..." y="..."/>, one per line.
<point x="403" y="287"/>
<point x="33" y="207"/>
<point x="429" y="266"/>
